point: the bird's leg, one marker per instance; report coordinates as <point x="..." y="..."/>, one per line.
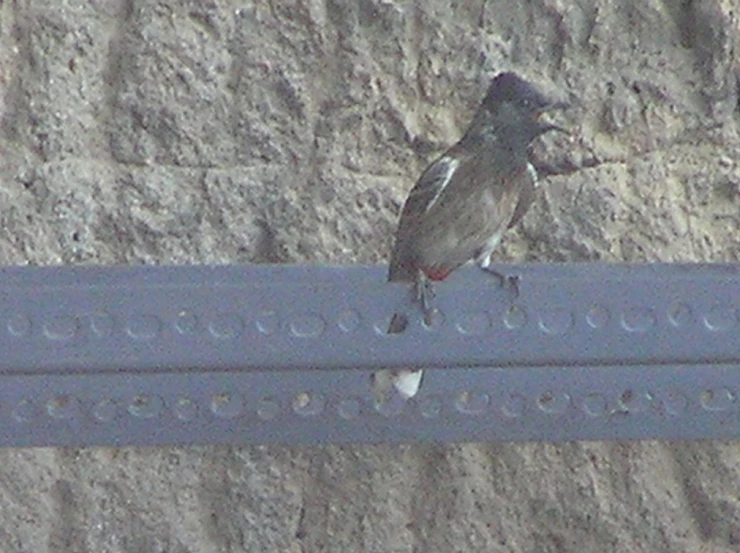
<point x="424" y="295"/>
<point x="505" y="280"/>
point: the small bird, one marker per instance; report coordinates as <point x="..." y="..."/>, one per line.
<point x="465" y="201"/>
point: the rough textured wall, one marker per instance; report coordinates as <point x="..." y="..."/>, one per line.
<point x="290" y="130"/>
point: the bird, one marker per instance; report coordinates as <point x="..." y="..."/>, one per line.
<point x="466" y="200"/>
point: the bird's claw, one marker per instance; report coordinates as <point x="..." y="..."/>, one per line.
<point x="429" y="314"/>
<point x="507" y="281"/>
<point x="424" y="295"/>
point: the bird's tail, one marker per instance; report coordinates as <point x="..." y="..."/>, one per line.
<point x="401" y="269"/>
<point x="399" y="322"/>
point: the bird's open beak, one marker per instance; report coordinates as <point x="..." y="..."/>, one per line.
<point x="555" y="106"/>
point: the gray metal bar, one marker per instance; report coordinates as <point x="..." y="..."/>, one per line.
<point x="315" y="407"/>
<point x="265" y="354"/>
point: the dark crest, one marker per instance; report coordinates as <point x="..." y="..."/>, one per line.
<point x="511" y="88"/>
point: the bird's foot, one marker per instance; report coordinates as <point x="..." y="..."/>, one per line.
<point x="507" y="281"/>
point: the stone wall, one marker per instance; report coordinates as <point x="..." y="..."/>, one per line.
<point x="274" y="131"/>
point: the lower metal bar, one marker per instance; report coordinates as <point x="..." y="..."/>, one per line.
<point x="321" y="407"/>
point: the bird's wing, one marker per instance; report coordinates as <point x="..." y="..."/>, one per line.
<point x="422" y="197"/>
<point x="526" y="195"/>
<point x="430" y="186"/>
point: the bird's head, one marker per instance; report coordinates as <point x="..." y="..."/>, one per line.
<point x="516" y="105"/>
